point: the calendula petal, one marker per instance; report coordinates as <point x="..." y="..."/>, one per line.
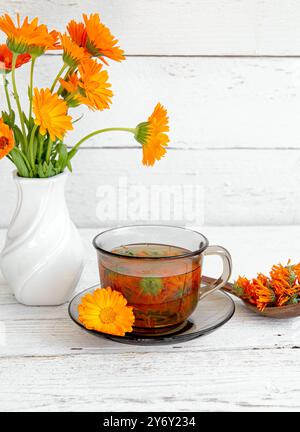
<point x="6" y="139"/>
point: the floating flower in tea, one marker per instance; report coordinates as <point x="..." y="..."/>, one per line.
<point x="162" y="291"/>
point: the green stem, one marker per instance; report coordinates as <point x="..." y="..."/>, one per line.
<point x="41" y="148"/>
<point x="49" y="148"/>
<point x="16" y="95"/>
<point x="31" y="155"/>
<point x="74" y="149"/>
<point x="70" y="96"/>
<point x="23" y="156"/>
<point x="5" y="82"/>
<point x="64" y="67"/>
<point x="69" y="72"/>
<point x="31" y="86"/>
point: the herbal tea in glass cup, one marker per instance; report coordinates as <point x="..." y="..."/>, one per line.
<point x="158" y="270"/>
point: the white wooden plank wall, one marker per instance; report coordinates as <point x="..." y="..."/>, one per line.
<point x="229" y="73"/>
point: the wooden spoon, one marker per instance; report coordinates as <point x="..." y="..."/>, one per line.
<point x="289" y="311"/>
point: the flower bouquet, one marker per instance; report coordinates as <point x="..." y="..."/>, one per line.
<point x="42" y="240"/>
<point x="36" y="144"/>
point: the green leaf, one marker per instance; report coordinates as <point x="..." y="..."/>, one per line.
<point x="6" y="118"/>
<point x="41" y="140"/>
<point x="78" y="119"/>
<point x="35" y="146"/>
<point x="12" y="116"/>
<point x="48" y="169"/>
<point x="238" y="290"/>
<point x="25" y="120"/>
<point x="19" y="136"/>
<point x="293" y="300"/>
<point x="63" y="156"/>
<point x="69" y="166"/>
<point x="40" y="170"/>
<point x="72" y="153"/>
<point x="151" y="286"/>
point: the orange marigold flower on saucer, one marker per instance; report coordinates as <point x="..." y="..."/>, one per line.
<point x="100" y="42"/>
<point x="6" y="59"/>
<point x="6" y="139"/>
<point x="22" y="36"/>
<point x="51" y="114"/>
<point x="106" y="310"/>
<point x="77" y="33"/>
<point x="152" y="135"/>
<point x="73" y="54"/>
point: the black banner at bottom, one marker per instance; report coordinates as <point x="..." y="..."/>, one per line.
<point x="137" y="421"/>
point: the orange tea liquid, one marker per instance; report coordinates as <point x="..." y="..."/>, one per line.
<point x="163" y="291"/>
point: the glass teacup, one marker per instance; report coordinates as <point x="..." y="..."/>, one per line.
<point x="158" y="270"/>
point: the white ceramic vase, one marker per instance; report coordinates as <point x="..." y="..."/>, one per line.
<point x="43" y="256"/>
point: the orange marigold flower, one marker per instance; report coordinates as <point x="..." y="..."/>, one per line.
<point x="282" y="287"/>
<point x="264" y="295"/>
<point x="71" y="90"/>
<point x="77" y="33"/>
<point x="152" y="135"/>
<point x="21" y="37"/>
<point x="100" y="42"/>
<point x="6" y="59"/>
<point x="241" y="286"/>
<point x="71" y="84"/>
<point x="282" y="281"/>
<point x="106" y="311"/>
<point x="73" y="54"/>
<point x="92" y="89"/>
<point x="36" y="50"/>
<point x="6" y="139"/>
<point x="94" y="84"/>
<point x="51" y="114"/>
<point x="56" y="44"/>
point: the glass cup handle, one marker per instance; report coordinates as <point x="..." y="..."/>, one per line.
<point x="227" y="267"/>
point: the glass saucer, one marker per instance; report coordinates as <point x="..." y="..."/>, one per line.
<point x="211" y="312"/>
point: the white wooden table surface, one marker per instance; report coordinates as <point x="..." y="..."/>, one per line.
<point x="47" y="363"/>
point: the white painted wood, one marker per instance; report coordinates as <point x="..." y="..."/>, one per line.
<point x="190" y="27"/>
<point x="212" y="102"/>
<point x="178" y="380"/>
<point x="49" y="364"/>
<point x="246" y="187"/>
